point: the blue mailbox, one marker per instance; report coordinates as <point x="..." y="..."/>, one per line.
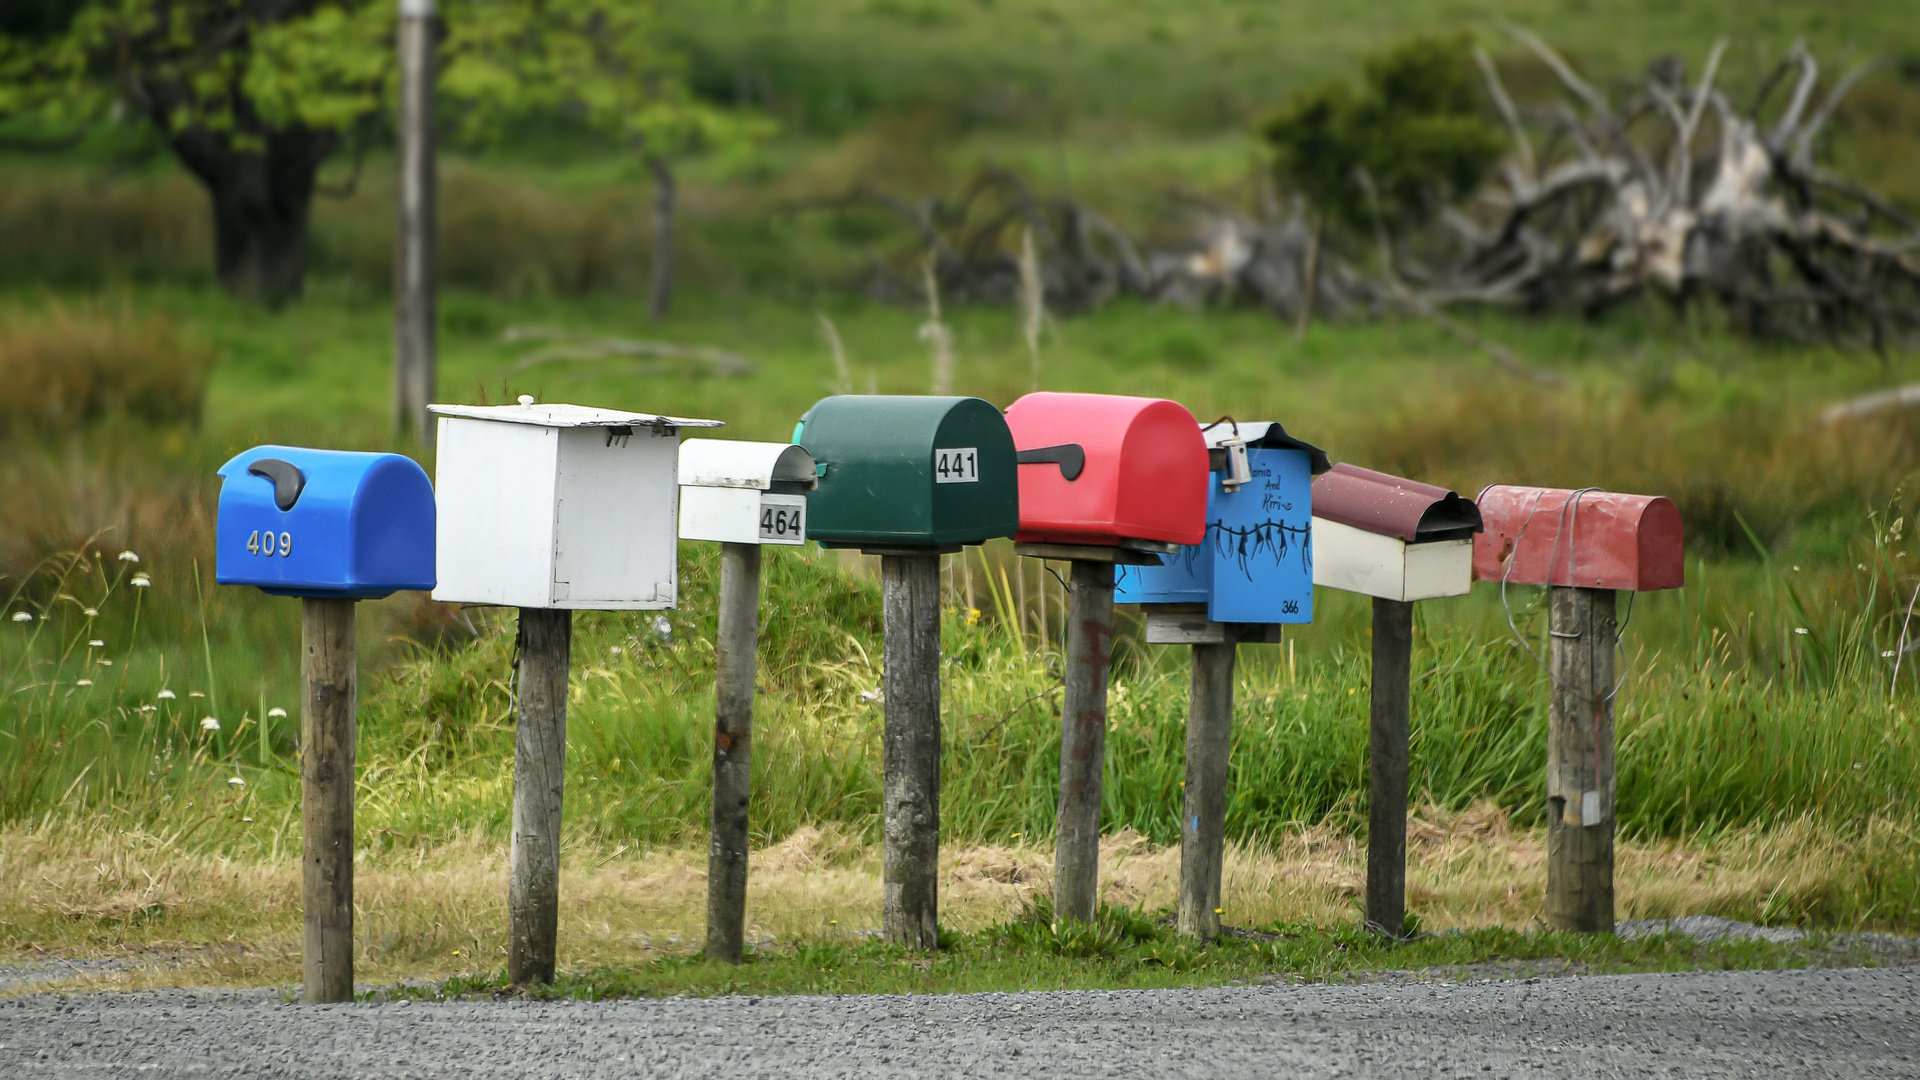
<point x="299" y="522"/>
<point x="1256" y="563"/>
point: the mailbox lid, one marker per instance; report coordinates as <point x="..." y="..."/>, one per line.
<point x="359" y="525"/>
<point x="1255" y="564"/>
<point x="568" y="416"/>
<point x="1394" y="506"/>
<point x="1141" y="467"/>
<point x="876" y="460"/>
<point x="1611" y="540"/>
<point x="758" y="466"/>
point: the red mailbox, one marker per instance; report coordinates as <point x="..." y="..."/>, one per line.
<point x="1103" y="469"/>
<point x="1585" y="539"/>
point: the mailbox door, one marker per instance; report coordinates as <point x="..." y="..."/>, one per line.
<point x="976" y="486"/>
<point x="1255" y="564"/>
<point x="495" y="493"/>
<point x="615" y="542"/>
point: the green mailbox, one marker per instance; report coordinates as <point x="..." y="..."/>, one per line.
<point x="909" y="472"/>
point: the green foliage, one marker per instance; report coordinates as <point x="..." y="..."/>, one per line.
<point x="239" y="70"/>
<point x="600" y="61"/>
<point x="1415" y="130"/>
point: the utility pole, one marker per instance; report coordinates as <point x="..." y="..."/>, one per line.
<point x="415" y="279"/>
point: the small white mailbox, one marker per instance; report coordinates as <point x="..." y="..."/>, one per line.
<point x="1383" y="536"/>
<point x="744" y="492"/>
<point x="557" y="506"/>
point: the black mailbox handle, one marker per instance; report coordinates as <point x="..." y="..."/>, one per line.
<point x="288" y="480"/>
<point x="1069" y="456"/>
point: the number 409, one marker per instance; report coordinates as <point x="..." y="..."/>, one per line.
<point x="266" y="543"/>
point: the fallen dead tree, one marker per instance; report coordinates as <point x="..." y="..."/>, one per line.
<point x="1677" y="192"/>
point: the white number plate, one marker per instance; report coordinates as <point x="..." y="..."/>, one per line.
<point x="783" y="519"/>
<point x="956" y="466"/>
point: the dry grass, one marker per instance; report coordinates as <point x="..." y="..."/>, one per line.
<point x="68" y="365"/>
<point x="73" y="890"/>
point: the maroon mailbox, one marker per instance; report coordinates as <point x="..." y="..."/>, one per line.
<point x="1585" y="539"/>
<point x="1102" y="469"/>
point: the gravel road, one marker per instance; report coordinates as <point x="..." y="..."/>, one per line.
<point x="1841" y="1023"/>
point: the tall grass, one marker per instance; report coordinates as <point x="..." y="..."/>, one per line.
<point x="64" y="366"/>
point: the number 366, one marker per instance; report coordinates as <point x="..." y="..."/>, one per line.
<point x="266" y="543"/>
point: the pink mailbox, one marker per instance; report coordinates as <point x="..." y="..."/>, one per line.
<point x="1103" y="469"/>
<point x="1584" y="539"/>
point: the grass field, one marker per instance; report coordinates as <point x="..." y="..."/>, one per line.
<point x="1768" y="754"/>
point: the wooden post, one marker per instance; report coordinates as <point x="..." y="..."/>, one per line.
<point x="1203" y="824"/>
<point x="414" y="277"/>
<point x="327" y="731"/>
<point x="1387" y="767"/>
<point x="1083" y="741"/>
<point x="910" y="875"/>
<point x="1580" y="761"/>
<point x="735" y="646"/>
<point x="539" y="779"/>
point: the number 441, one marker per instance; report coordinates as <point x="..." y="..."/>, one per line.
<point x="267" y="543"/>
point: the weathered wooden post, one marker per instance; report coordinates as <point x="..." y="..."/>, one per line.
<point x="1249" y="575"/>
<point x="1106" y="481"/>
<point x="742" y="495"/>
<point x="1397" y="541"/>
<point x="415" y="285"/>
<point x="332" y="528"/>
<point x="1583" y="545"/>
<point x="910" y="479"/>
<point x="552" y="509"/>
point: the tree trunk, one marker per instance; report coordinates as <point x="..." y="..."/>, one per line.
<point x="260" y="201"/>
<point x="660" y="292"/>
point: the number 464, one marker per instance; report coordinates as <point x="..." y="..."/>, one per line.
<point x="266" y="543"/>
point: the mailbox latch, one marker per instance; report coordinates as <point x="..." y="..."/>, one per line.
<point x="1238" y="470"/>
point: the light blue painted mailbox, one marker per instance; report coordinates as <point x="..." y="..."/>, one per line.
<point x="1256" y="563"/>
<point x="324" y="523"/>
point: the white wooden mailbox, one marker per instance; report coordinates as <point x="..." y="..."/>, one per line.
<point x="744" y="492"/>
<point x="557" y="506"/>
<point x="1391" y="538"/>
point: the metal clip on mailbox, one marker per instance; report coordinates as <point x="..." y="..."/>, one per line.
<point x="908" y="479"/>
<point x="1251" y="572"/>
<point x="552" y="508"/>
<point x="332" y="528"/>
<point x="1104" y="481"/>
<point x="1583" y="545"/>
<point x="1397" y="541"/>
<point x="742" y="494"/>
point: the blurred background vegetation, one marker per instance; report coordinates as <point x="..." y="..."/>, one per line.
<point x="1763" y="693"/>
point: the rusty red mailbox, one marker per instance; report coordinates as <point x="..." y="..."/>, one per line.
<point x="1104" y="479"/>
<point x="1580" y="539"/>
<point x="1583" y="545"/>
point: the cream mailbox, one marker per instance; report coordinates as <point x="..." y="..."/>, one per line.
<point x="1398" y="541"/>
<point x="557" y="506"/>
<point x="744" y="495"/>
<point x="744" y="492"/>
<point x="1387" y="537"/>
<point x="552" y="508"/>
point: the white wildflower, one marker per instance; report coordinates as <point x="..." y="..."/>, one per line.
<point x="662" y="627"/>
<point x="276" y="713"/>
<point x="236" y="781"/>
<point x="128" y="556"/>
<point x="164" y="695"/>
<point x="147" y="708"/>
<point x="92" y="612"/>
<point x="195" y="693"/>
<point x="84" y="682"/>
<point x="872" y="695"/>
<point x="1886" y="654"/>
<point x="104" y="662"/>
<point x="22" y="616"/>
<point x="1801" y="630"/>
<point x="617" y="650"/>
<point x="96" y="643"/>
<point x="209" y="724"/>
<point x="140" y="581"/>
